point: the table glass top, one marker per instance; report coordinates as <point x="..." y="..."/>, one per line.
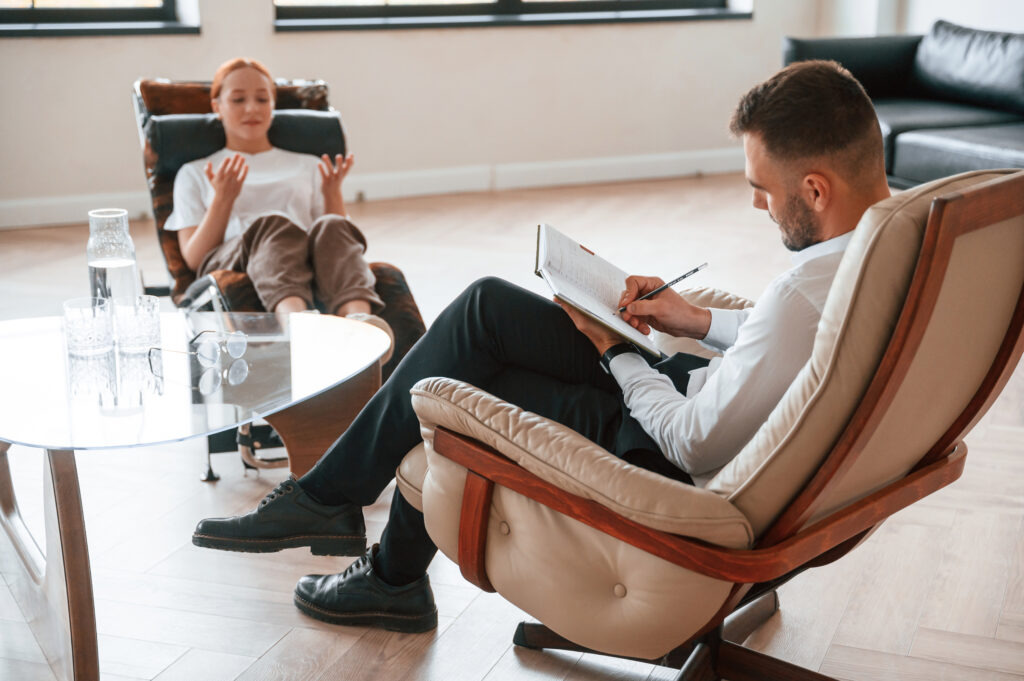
<point x="185" y="388"/>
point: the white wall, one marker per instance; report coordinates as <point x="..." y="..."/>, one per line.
<point x="425" y="110"/>
<point x="875" y="17"/>
<point x="992" y="15"/>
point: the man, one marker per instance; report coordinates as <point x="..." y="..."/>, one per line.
<point x="814" y="159"/>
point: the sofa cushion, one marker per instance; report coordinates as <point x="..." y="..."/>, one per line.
<point x="883" y="63"/>
<point x="897" y="116"/>
<point x="927" y="155"/>
<point x="969" y="65"/>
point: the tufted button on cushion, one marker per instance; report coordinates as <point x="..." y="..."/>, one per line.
<point x="504" y="528"/>
<point x="619" y="591"/>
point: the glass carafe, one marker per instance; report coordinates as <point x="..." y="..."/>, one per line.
<point x="111" y="255"/>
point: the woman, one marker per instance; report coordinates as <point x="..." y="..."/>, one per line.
<point x="276" y="215"/>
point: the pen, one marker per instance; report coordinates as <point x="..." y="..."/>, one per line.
<point x="675" y="281"/>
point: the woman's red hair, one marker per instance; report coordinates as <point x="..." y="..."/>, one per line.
<point x="233" y="65"/>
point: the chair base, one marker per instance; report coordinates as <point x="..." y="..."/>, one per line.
<point x="713" y="657"/>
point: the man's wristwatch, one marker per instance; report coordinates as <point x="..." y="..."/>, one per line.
<point x="613" y="352"/>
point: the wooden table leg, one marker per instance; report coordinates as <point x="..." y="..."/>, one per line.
<point x="54" y="591"/>
<point x="311" y="426"/>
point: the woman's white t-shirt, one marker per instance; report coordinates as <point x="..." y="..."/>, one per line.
<point x="279" y="181"/>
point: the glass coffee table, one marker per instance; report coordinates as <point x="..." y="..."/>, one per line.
<point x="307" y="375"/>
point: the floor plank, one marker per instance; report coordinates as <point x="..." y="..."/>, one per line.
<point x="967" y="594"/>
<point x="302" y="655"/>
<point x="858" y="664"/>
<point x="884" y="608"/>
<point x="810" y="610"/>
<point x="203" y="665"/>
<point x="971" y="651"/>
<point x="25" y="671"/>
<point x="135" y="658"/>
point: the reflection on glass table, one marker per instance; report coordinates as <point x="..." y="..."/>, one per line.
<point x="308" y="375"/>
<point x="191" y="385"/>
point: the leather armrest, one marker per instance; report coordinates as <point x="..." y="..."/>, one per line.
<point x="573" y="463"/>
<point x="882" y="64"/>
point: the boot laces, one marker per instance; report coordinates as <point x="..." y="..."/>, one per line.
<point x="358" y="565"/>
<point x="286" y="487"/>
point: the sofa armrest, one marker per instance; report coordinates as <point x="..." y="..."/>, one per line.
<point x="573" y="463"/>
<point x="882" y="64"/>
<point x="704" y="297"/>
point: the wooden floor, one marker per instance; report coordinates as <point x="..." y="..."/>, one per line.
<point x="937" y="593"/>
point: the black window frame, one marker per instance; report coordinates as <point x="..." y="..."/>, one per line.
<point x="167" y="12"/>
<point x="500" y="13"/>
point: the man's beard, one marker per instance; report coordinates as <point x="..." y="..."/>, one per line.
<point x="798" y="223"/>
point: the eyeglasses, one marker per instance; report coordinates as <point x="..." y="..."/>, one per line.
<point x="209" y="350"/>
<point x="208" y="353"/>
<point x="213" y="377"/>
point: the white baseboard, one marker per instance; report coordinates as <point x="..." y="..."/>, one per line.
<point x="56" y="210"/>
<point x="62" y="210"/>
<point x="618" y="168"/>
<point x="402" y="183"/>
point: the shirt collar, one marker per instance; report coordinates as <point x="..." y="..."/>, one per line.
<point x="834" y="245"/>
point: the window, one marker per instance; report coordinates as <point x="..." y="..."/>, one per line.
<point x="325" y="14"/>
<point x="68" y="11"/>
<point x="89" y="17"/>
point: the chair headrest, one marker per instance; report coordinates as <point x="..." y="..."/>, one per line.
<point x="160" y="96"/>
<point x="864" y="303"/>
<point x="176" y="139"/>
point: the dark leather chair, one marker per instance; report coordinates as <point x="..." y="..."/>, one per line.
<point x="948" y="102"/>
<point x="176" y="125"/>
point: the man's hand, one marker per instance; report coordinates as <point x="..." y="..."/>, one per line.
<point x="599" y="335"/>
<point x="667" y="311"/>
<point x="229" y="177"/>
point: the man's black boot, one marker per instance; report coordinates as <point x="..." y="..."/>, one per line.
<point x="358" y="597"/>
<point x="287" y="518"/>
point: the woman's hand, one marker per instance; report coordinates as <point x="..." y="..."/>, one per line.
<point x="227" y="181"/>
<point x="331" y="176"/>
<point x="599" y="335"/>
<point x="667" y="311"/>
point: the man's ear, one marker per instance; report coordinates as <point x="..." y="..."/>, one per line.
<point x="817" y="191"/>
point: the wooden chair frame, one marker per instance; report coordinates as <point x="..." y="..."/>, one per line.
<point x="789" y="546"/>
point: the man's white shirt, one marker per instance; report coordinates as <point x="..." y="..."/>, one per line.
<point x="764" y="349"/>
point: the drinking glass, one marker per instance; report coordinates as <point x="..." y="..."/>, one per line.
<point x="88" y="328"/>
<point x="137" y="321"/>
<point x="92" y="379"/>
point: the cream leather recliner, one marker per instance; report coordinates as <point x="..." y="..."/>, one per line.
<point x="921" y="329"/>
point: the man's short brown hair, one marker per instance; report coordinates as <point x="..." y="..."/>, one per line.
<point x="812" y="110"/>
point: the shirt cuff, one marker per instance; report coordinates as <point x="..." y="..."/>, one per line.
<point x="722" y="332"/>
<point x="627" y="366"/>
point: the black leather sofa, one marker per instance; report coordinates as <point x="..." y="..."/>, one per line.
<point x="948" y="102"/>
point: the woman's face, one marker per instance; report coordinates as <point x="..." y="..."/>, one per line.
<point x="245" y="105"/>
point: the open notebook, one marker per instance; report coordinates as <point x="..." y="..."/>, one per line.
<point x="586" y="281"/>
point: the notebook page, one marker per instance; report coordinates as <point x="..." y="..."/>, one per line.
<point x="586" y="272"/>
<point x="586" y="281"/>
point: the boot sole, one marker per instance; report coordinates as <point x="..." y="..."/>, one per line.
<point x="407" y="624"/>
<point x="318" y="545"/>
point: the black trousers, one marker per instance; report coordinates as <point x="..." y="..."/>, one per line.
<point x="514" y="344"/>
